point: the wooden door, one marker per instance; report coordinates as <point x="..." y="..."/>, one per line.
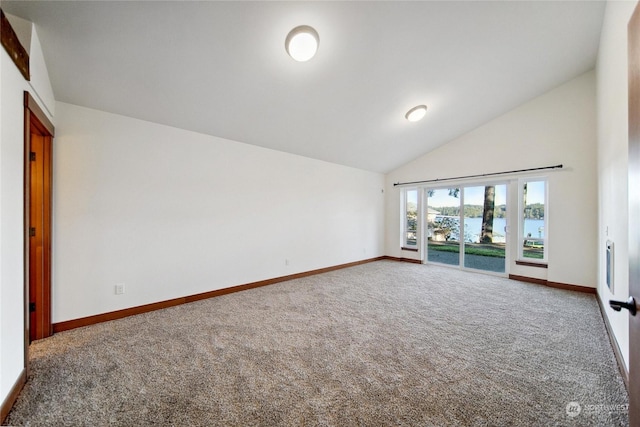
<point x="39" y="237"/>
<point x="38" y="190"/>
<point x="634" y="215"/>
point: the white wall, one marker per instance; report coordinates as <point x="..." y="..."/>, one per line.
<point x="39" y="82"/>
<point x="171" y="213"/>
<point x="12" y="90"/>
<point x="11" y="225"/>
<point x="613" y="142"/>
<point x="556" y="128"/>
<point x="41" y="89"/>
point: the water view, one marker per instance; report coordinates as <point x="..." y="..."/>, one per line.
<point x="483" y="232"/>
<point x="533" y="228"/>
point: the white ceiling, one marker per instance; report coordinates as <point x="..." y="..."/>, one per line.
<point x="220" y="68"/>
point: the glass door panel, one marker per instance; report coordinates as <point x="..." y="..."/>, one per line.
<point x="485" y="212"/>
<point x="533" y="220"/>
<point x="443" y="226"/>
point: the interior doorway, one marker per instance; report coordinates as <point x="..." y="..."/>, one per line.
<point x="38" y="145"/>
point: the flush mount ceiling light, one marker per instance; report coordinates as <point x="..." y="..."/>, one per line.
<point x="302" y="43"/>
<point x="416" y="113"/>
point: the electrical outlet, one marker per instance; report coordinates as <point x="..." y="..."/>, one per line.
<point x="120" y="289"/>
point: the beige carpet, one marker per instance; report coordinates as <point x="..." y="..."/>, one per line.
<point x="381" y="344"/>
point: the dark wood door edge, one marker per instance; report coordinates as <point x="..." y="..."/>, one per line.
<point x="119" y="314"/>
<point x="11" y="398"/>
<point x="33" y="115"/>
<point x="558" y="285"/>
<point x="633" y="196"/>
<point x="614" y="344"/>
<point x="31" y="104"/>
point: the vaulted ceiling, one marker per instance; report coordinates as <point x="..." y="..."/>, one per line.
<point x="220" y="68"/>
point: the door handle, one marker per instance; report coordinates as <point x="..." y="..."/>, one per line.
<point x="629" y="305"/>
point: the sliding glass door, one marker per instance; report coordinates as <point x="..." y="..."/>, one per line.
<point x="485" y="210"/>
<point x="466" y="226"/>
<point x="443" y="225"/>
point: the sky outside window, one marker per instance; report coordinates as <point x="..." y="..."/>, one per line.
<point x="472" y="196"/>
<point x="535" y="192"/>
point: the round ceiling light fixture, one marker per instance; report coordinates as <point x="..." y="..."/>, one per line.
<point x="302" y="43"/>
<point x="416" y="113"/>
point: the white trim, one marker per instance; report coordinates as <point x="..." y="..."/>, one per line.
<point x="403" y="224"/>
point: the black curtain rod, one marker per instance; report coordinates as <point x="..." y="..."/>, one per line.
<point x="479" y="175"/>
